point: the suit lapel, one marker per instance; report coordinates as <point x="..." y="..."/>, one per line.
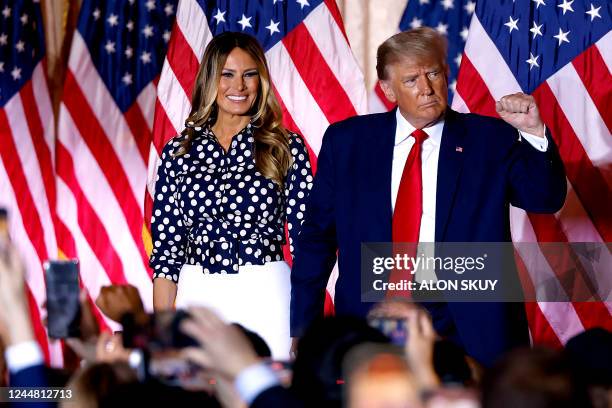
<point x="450" y="163"/>
<point x="378" y="154"/>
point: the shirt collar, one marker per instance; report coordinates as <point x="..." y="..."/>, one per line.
<point x="241" y="141"/>
<point x="248" y="130"/>
<point x="404" y="129"/>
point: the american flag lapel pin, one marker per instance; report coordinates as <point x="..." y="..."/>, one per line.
<point x="459" y="149"/>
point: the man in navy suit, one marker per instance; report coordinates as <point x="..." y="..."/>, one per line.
<point x="451" y="175"/>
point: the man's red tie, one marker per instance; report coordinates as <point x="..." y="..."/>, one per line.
<point x="409" y="207"/>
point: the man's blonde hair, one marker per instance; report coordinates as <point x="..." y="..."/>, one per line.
<point x="418" y="43"/>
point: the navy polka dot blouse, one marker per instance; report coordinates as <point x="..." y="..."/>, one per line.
<point x="213" y="208"/>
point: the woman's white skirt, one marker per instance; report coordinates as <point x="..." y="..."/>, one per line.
<point x="257" y="297"/>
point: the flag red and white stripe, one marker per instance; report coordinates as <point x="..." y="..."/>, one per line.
<point x="27" y="190"/>
<point x="101" y="173"/>
<point x="574" y="104"/>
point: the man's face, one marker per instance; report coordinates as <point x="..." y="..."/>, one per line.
<point x="419" y="86"/>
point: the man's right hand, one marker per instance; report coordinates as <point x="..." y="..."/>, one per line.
<point x="14" y="309"/>
<point x="223" y="347"/>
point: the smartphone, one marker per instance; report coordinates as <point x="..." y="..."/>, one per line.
<point x="63" y="306"/>
<point x="160" y="333"/>
<point x="395" y="329"/>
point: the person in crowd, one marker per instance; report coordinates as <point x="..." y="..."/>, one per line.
<point x="156" y="394"/>
<point x="378" y="376"/>
<point x="223" y="389"/>
<point x="424" y="173"/>
<point x="317" y="372"/>
<point x="451" y="364"/>
<point x="590" y="356"/>
<point x="226" y="351"/>
<point x="23" y="356"/>
<point x="95" y="382"/>
<point x="400" y="377"/>
<point x="224" y="189"/>
<point x="114" y="301"/>
<point x="533" y="378"/>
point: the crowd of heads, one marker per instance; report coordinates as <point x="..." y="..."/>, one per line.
<point x="340" y="361"/>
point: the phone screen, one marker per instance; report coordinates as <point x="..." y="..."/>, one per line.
<point x="395" y="329"/>
<point x="63" y="307"/>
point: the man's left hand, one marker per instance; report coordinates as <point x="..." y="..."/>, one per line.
<point x="520" y="111"/>
<point x="14" y="309"/>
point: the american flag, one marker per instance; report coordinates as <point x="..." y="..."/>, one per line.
<point x="314" y="73"/>
<point x="78" y="192"/>
<point x="27" y="186"/>
<point x="104" y="135"/>
<point x="561" y="52"/>
<point x="448" y="17"/>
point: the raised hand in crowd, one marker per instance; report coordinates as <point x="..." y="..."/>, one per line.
<point x="420" y="341"/>
<point x="117" y="300"/>
<point x="13" y="302"/>
<point x="85" y="345"/>
<point x="114" y="301"/>
<point x="394" y="308"/>
<point x="224" y="348"/>
<point x="226" y="394"/>
<point x="89" y="325"/>
<point x="109" y="348"/>
<point x="419" y="349"/>
<point x="225" y="352"/>
<point x="24" y="359"/>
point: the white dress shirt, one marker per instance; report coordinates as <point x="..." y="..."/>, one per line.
<point x="429" y="163"/>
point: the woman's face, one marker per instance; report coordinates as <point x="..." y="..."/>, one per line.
<point x="238" y="85"/>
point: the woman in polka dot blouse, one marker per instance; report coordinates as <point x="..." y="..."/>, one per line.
<point x="224" y="189"/>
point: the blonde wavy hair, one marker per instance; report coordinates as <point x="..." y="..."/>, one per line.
<point x="272" y="155"/>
